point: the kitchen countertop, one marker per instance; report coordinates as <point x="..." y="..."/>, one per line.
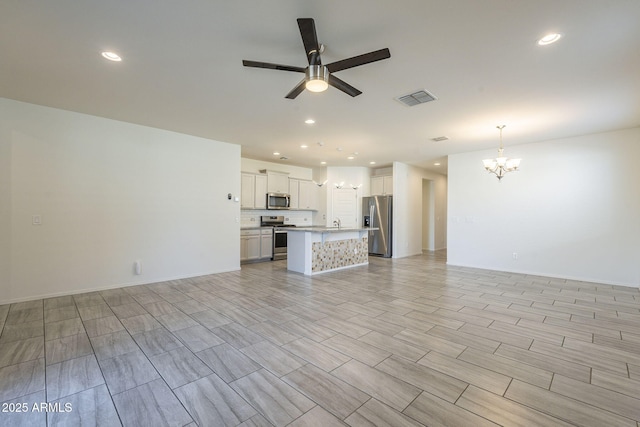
<point x="321" y="229"/>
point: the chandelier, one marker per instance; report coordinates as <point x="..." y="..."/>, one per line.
<point x="501" y="164"/>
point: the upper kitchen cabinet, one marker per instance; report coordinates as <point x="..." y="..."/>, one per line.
<point x="247" y="190"/>
<point x="260" y="197"/>
<point x="253" y="193"/>
<point x="382" y="185"/>
<point x="294" y="192"/>
<point x="308" y="196"/>
<point x="277" y="182"/>
<point x="304" y="194"/>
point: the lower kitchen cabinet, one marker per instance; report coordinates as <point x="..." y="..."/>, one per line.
<point x="266" y="244"/>
<point x="249" y="245"/>
<point x="256" y="244"/>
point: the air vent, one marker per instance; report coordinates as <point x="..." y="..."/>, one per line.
<point x="419" y="97"/>
<point x="440" y="138"/>
<point x="284" y="158"/>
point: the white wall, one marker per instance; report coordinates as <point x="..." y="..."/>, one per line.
<point x="255" y="166"/>
<point x="572" y="211"/>
<point x="320" y="176"/>
<point x="408" y="209"/>
<point x="5" y="207"/>
<point x="110" y="193"/>
<point x="440" y="186"/>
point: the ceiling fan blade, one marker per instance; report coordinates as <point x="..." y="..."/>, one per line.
<point x="341" y="85"/>
<point x="296" y="90"/>
<point x="271" y="66"/>
<point x="310" y="40"/>
<point x="355" y="61"/>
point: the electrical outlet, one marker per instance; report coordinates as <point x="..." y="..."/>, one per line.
<point x="36" y="220"/>
<point x="515" y="255"/>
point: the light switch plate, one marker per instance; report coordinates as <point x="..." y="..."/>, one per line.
<point x="36" y="220"/>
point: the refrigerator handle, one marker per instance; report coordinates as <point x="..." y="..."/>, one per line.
<point x="371" y="213"/>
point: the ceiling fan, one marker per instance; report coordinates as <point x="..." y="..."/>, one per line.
<point x="317" y="76"/>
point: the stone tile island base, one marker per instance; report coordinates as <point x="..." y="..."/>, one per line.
<point x="318" y="250"/>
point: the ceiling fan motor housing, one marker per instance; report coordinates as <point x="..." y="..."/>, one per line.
<point x="317" y="78"/>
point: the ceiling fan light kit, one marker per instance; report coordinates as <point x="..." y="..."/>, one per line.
<point x="319" y="77"/>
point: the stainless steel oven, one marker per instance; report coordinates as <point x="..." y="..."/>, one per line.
<point x="279" y="243"/>
<point x="279" y="234"/>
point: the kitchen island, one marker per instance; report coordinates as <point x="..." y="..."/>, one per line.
<point x="314" y="250"/>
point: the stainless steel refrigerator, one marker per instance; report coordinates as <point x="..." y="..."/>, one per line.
<point x="378" y="213"/>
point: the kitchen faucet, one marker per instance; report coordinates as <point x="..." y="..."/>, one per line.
<point x="336" y="222"/>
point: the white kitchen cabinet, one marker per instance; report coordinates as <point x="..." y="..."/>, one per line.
<point x="308" y="195"/>
<point x="382" y="185"/>
<point x="266" y="243"/>
<point x="247" y="190"/>
<point x="249" y="245"/>
<point x="260" y="197"/>
<point x="387" y="185"/>
<point x="253" y="191"/>
<point x="277" y="182"/>
<point x="294" y="192"/>
<point x="256" y="244"/>
<point x="304" y="194"/>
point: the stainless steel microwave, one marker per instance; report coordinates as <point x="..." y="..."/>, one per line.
<point x="278" y="201"/>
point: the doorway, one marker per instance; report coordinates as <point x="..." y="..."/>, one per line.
<point x="428" y="216"/>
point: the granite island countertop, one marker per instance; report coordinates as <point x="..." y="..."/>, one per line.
<point x="321" y="229"/>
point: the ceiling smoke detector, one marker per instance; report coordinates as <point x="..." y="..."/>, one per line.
<point x="416" y="98"/>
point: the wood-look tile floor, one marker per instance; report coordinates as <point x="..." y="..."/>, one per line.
<point x="404" y="342"/>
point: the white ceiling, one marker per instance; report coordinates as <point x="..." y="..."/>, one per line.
<point x="182" y="71"/>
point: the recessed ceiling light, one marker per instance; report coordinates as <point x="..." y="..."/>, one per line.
<point x="309" y="121"/>
<point x="304" y="146"/>
<point x="323" y="163"/>
<point x="436" y="164"/>
<point x="275" y="153"/>
<point x="350" y="158"/>
<point x="549" y="38"/>
<point x="372" y="163"/>
<point x="111" y="56"/>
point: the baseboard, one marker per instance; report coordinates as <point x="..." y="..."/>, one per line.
<point x="107" y="287"/>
